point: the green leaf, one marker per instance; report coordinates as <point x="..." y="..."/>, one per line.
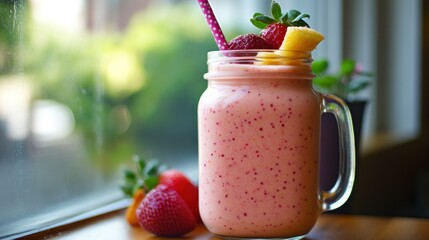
<point x="130" y="176"/>
<point x="151" y="168"/>
<point x="257" y="14"/>
<point x="347" y="67"/>
<point x="285" y="19"/>
<point x="325" y="81"/>
<point x="151" y="182"/>
<point x="320" y="66"/>
<point x="293" y="13"/>
<point x="146" y="178"/>
<point x="276" y="10"/>
<point x="301" y="16"/>
<point x="127" y="190"/>
<point x="300" y="23"/>
<point x="258" y="24"/>
<point x="265" y="19"/>
<point x="139" y="162"/>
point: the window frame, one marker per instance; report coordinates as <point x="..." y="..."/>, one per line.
<point x="388" y="178"/>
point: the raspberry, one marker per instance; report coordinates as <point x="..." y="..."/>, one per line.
<point x="249" y="41"/>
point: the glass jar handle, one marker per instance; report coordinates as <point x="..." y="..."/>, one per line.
<point x="340" y="192"/>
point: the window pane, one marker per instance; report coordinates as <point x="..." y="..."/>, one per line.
<point x="84" y="85"/>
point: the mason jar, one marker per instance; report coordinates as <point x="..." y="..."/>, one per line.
<point x="259" y="145"/>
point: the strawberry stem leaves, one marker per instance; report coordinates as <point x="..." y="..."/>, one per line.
<point x="299" y="19"/>
<point x="258" y="23"/>
<point x="276" y="10"/>
<point x="291" y="18"/>
<point x="265" y="19"/>
<point x="144" y="176"/>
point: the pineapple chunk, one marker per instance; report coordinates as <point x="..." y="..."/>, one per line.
<point x="269" y="58"/>
<point x="281" y="58"/>
<point x="297" y="44"/>
<point x="301" y="39"/>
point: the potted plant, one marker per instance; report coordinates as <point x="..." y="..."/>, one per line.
<point x="345" y="83"/>
<point x="349" y="80"/>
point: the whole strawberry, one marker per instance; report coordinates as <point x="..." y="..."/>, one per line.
<point x="164" y="213"/>
<point x="274" y="27"/>
<point x="184" y="187"/>
<point x="249" y="41"/>
<point x="275" y="34"/>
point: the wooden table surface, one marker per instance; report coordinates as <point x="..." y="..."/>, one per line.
<point x="329" y="226"/>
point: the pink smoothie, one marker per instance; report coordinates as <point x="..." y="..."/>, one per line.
<point x="259" y="151"/>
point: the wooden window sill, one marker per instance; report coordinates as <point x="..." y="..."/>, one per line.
<point x="329" y="226"/>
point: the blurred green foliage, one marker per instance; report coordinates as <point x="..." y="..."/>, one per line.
<point x="14" y="18"/>
<point x="131" y="92"/>
<point x="348" y="80"/>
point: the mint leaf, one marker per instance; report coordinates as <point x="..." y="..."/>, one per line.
<point x="276" y="10"/>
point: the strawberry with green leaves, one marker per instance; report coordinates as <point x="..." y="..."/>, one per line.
<point x="143" y="181"/>
<point x="138" y="182"/>
<point x="164" y="213"/>
<point x="145" y="176"/>
<point x="274" y="27"/>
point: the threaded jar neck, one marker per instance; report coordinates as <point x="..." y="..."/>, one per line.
<point x="259" y="64"/>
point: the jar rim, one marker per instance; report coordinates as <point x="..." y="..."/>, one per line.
<point x="260" y="56"/>
<point x="259" y="63"/>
